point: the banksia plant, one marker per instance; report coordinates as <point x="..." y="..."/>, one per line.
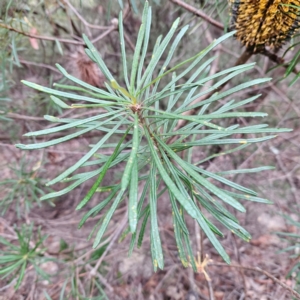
<point x="265" y="23"/>
<point x="140" y="129"/>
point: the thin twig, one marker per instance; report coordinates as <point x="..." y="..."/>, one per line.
<point x="8" y="285"/>
<point x="101" y="279"/>
<point x="41" y="37"/>
<point x="169" y="272"/>
<point x="23" y="117"/>
<point x="50" y="38"/>
<point x="128" y="40"/>
<point x="211" y="291"/>
<point x="198" y="13"/>
<point x="237" y="253"/>
<point x="30" y="63"/>
<point x="33" y="288"/>
<point x="116" y="234"/>
<point x="105" y="33"/>
<point x="79" y="16"/>
<point x="257" y="269"/>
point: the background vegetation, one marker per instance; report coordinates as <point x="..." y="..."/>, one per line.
<point x="44" y="255"/>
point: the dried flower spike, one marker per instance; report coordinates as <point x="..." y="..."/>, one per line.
<point x="264" y="23"/>
<point x="202" y="265"/>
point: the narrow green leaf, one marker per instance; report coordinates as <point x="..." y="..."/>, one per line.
<point x="208" y="202"/>
<point x="188" y="206"/>
<point x="246" y="171"/>
<point x="212" y="238"/>
<point x="178" y="238"/>
<point x="47" y="297"/>
<point x="202" y="181"/>
<point x="133" y="154"/>
<point x="231" y="132"/>
<point x="145" y="44"/>
<point x="219" y="141"/>
<point x="75" y="123"/>
<point x="133" y="197"/>
<point x="11" y="267"/>
<point x="156" y="248"/>
<point x="139" y="210"/>
<point x="95" y="210"/>
<point x="66" y="95"/>
<point x="3" y="241"/>
<point x="106" y="166"/>
<point x="143" y="227"/>
<point x="107" y="218"/>
<point x="168" y="59"/>
<point x="248" y="197"/>
<point x="14" y="50"/>
<point x="98" y="59"/>
<point x="212" y="227"/>
<point x="123" y="91"/>
<point x="292" y="64"/>
<point x="63" y="191"/>
<point x="133" y="4"/>
<point x="56" y="141"/>
<point x="62" y="292"/>
<point x="137" y="50"/>
<point x="224" y="180"/>
<point x="59" y="102"/>
<point x="190" y="252"/>
<point x="235" y="228"/>
<point x="99" y="92"/>
<point x="177" y="214"/>
<point x="59" y="47"/>
<point x="121" y="5"/>
<point x="146" y="84"/>
<point x="132" y="243"/>
<point x="218" y="95"/>
<point x="123" y="51"/>
<point x="195" y="119"/>
<point x="21" y="275"/>
<point x="10" y="258"/>
<point x="197" y="58"/>
<point x="157" y="54"/>
<point x="87" y="156"/>
<point x="204" y="223"/>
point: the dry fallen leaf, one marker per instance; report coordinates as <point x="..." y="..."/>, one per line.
<point x="86" y="69"/>
<point x="265" y="240"/>
<point x="33" y="41"/>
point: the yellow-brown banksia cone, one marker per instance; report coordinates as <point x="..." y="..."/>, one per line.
<point x="264" y="23"/>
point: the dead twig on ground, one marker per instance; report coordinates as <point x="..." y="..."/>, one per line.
<point x="237" y="254"/>
<point x="257" y="269"/>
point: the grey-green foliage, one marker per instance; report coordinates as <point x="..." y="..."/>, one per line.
<point x="6" y="60"/>
<point x="16" y="258"/>
<point x="293" y="241"/>
<point x="22" y="189"/>
<point x="153" y="164"/>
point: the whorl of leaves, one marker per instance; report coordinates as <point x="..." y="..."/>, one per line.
<point x="261" y="23"/>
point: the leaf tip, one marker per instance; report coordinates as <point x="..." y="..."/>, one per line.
<point x="78" y="207"/>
